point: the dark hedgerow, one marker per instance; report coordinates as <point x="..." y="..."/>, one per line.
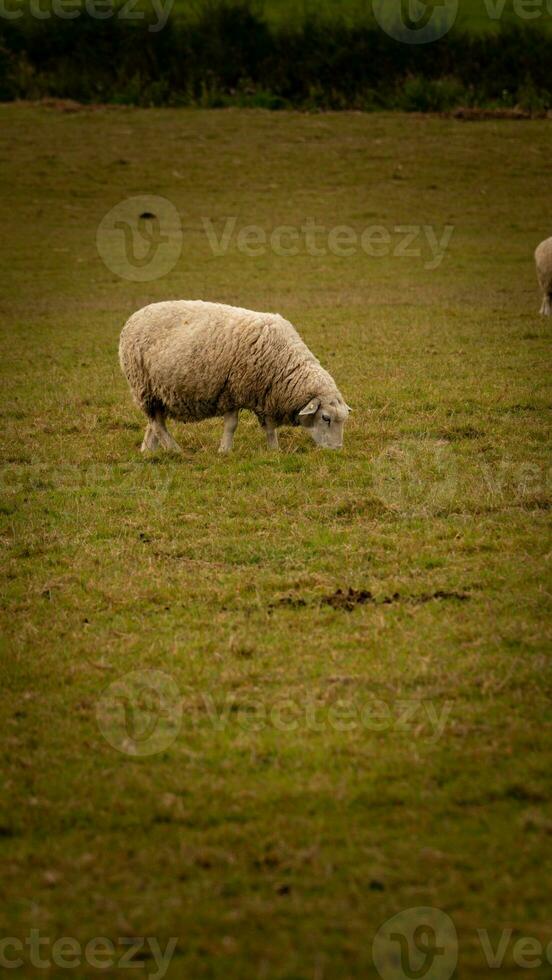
<point x="229" y="54"/>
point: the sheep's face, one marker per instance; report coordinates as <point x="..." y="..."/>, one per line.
<point x="324" y="420"/>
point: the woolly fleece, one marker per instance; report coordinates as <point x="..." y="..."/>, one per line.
<point x="543" y="258"/>
<point x="193" y="360"/>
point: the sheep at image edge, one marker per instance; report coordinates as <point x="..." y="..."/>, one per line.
<point x="189" y="360"/>
<point x="543" y="258"/>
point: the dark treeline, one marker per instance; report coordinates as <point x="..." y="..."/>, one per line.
<point x="230" y="55"/>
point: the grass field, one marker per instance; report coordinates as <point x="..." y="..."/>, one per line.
<point x="323" y="763"/>
<point x="473" y="15"/>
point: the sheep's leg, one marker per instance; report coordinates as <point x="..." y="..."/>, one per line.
<point x="271" y="434"/>
<point x="269" y="428"/>
<point x="164" y="437"/>
<point x="230" y="426"/>
<point x="151" y="442"/>
<point x="546" y="308"/>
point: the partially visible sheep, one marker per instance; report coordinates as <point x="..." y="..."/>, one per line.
<point x="190" y="360"/>
<point x="543" y="258"/>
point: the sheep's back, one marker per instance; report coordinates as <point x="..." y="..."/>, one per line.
<point x="197" y="359"/>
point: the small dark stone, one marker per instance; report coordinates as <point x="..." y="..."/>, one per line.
<point x="283" y="889"/>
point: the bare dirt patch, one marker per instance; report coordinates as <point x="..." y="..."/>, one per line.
<point x="349" y="599"/>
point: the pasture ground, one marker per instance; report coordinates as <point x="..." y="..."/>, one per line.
<point x="333" y="765"/>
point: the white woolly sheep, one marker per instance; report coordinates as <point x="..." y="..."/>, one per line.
<point x="191" y="360"/>
<point x="543" y="258"/>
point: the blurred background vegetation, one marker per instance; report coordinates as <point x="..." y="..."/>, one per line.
<point x="276" y="54"/>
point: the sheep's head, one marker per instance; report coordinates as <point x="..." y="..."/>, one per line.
<point x="324" y="419"/>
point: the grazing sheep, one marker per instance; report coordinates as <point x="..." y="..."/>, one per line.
<point x="190" y="360"/>
<point x="543" y="258"/>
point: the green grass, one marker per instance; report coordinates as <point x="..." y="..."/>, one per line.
<point x="278" y="853"/>
<point x="473" y="15"/>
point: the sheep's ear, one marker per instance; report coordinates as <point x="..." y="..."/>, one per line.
<point x="311" y="408"/>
